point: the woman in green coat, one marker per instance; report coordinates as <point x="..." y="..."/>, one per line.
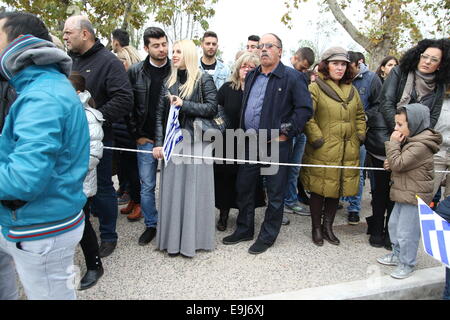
<point x="334" y="136"/>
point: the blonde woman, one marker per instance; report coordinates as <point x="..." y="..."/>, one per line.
<point x="186" y="221"/>
<point x="230" y="97"/>
<point x="129" y="56"/>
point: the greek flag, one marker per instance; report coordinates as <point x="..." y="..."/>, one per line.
<point x="435" y="233"/>
<point x="173" y="133"/>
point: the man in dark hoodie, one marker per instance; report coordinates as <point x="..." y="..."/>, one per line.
<point x="410" y="158"/>
<point x="107" y="81"/>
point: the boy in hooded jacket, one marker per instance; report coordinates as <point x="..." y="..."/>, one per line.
<point x="409" y="154"/>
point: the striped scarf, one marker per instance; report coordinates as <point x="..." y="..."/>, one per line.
<point x="28" y="50"/>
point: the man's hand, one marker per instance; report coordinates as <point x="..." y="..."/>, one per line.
<point x="386" y="165"/>
<point x="397" y="136"/>
<point x="143" y="140"/>
<point x="158" y="153"/>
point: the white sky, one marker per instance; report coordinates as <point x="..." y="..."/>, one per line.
<point x="235" y="20"/>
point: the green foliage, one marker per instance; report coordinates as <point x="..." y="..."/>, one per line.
<point x="393" y="25"/>
<point x="107" y="15"/>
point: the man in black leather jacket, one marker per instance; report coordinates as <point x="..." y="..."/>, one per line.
<point x="147" y="79"/>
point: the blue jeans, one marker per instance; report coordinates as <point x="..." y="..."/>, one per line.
<point x="446" y="295"/>
<point x="45" y="267"/>
<point x="355" y="201"/>
<point x="147" y="172"/>
<point x="298" y="148"/>
<point x="104" y="203"/>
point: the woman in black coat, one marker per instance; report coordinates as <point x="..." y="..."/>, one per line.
<point x="230" y="97"/>
<point x="421" y="77"/>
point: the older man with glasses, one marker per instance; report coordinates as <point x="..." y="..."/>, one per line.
<point x="275" y="97"/>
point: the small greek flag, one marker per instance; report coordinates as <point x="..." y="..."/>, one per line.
<point x="435" y="233"/>
<point x="174" y="134"/>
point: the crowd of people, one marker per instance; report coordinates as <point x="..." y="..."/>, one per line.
<point x="62" y="111"/>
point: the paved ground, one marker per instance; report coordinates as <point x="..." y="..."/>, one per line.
<point x="230" y="272"/>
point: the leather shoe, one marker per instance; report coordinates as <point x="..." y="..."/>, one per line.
<point x="90" y="278"/>
<point x="147" y="236"/>
<point x="234" y="238"/>
<point x="136" y="214"/>
<point x="106" y="248"/>
<point x="258" y="247"/>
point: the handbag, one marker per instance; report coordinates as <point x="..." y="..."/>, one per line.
<point x="219" y="122"/>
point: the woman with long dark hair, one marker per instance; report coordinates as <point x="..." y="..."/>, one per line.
<point x="386" y="65"/>
<point x="334" y="136"/>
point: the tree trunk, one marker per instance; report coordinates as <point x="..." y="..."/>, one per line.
<point x="377" y="50"/>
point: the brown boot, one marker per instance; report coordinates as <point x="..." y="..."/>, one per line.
<point x="327" y="227"/>
<point x="222" y="223"/>
<point x="129" y="208"/>
<point x="136" y="214"/>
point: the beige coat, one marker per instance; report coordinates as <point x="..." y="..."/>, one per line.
<point x="412" y="167"/>
<point x="334" y="134"/>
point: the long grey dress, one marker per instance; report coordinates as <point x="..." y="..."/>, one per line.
<point x="186" y="212"/>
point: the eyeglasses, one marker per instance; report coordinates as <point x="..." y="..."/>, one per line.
<point x="244" y="66"/>
<point x="427" y="57"/>
<point x="267" y="45"/>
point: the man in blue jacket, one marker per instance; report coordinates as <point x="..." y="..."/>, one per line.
<point x="44" y="155"/>
<point x="275" y="97"/>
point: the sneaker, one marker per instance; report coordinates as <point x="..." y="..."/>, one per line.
<point x="389" y="260"/>
<point x="402" y="271"/>
<point x="353" y="218"/>
<point x="297" y="209"/>
<point x="285" y="221"/>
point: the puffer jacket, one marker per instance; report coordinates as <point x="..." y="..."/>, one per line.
<point x="392" y="91"/>
<point x="412" y="167"/>
<point x="202" y="103"/>
<point x="95" y="120"/>
<point x="334" y="134"/>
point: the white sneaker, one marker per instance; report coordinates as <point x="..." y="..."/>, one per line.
<point x="402" y="271"/>
<point x="389" y="260"/>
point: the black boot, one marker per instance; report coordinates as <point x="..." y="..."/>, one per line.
<point x="90" y="278"/>
<point x="327" y="227"/>
<point x="222" y="223"/>
<point x="369" y="224"/>
<point x="316" y="219"/>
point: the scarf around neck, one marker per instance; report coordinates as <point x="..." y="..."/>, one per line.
<point x="28" y="50"/>
<point x="423" y="83"/>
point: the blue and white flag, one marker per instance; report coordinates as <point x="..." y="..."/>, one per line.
<point x="435" y="233"/>
<point x="174" y="134"/>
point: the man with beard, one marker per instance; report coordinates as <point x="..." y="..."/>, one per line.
<point x="147" y="79"/>
<point x="209" y="63"/>
<point x="107" y="81"/>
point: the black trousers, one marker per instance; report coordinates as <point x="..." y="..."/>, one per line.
<point x="89" y="242"/>
<point x="381" y="202"/>
<point x="128" y="174"/>
<point x="246" y="183"/>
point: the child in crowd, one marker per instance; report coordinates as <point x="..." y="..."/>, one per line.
<point x="410" y="158"/>
<point x="89" y="243"/>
